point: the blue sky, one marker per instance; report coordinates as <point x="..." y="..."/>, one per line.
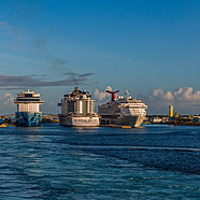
<point x="149" y="47"/>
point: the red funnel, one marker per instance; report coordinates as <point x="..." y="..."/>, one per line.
<point x="113" y="94"/>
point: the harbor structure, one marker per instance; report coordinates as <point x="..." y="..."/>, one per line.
<point x="28" y="109"/>
<point x="176" y="115"/>
<point x="125" y="111"/>
<point x="171" y="111"/>
<point x="77" y="109"/>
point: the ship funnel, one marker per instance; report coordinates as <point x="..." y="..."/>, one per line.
<point x="113" y="94"/>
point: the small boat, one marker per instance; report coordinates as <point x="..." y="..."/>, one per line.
<point x="126" y="127"/>
<point x="3" y="126"/>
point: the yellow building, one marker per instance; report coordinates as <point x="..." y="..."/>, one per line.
<point x="171" y="111"/>
<point x="176" y="115"/>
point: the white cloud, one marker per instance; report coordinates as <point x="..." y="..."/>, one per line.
<point x="168" y="96"/>
<point x="157" y="92"/>
<point x="185" y="99"/>
<point x="185" y="94"/>
<point x="8" y="99"/>
<point x="98" y="95"/>
<point x="7" y="104"/>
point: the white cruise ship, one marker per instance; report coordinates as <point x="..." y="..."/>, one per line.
<point x="77" y="109"/>
<point x="125" y="111"/>
<point x="28" y="109"/>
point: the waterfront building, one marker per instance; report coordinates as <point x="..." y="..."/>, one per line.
<point x="171" y="111"/>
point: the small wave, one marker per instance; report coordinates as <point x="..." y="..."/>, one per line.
<point x="106" y="147"/>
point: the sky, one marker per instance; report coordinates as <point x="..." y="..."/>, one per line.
<point x="151" y="48"/>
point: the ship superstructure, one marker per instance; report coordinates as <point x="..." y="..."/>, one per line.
<point x="122" y="111"/>
<point x="77" y="109"/>
<point x="28" y="109"/>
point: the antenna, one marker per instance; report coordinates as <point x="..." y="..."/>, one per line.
<point x="113" y="94"/>
<point x="127" y="94"/>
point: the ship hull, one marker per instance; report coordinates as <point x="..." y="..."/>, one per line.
<point x="133" y="121"/>
<point x="79" y="121"/>
<point x="27" y="119"/>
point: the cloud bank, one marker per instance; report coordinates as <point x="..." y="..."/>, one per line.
<point x="32" y="81"/>
<point x="185" y="94"/>
<point x="185" y="99"/>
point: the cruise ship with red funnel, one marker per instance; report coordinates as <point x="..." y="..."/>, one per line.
<point x="125" y="111"/>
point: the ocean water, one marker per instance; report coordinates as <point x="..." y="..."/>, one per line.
<point x="55" y="162"/>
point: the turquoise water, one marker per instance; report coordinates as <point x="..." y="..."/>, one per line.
<point x="55" y="162"/>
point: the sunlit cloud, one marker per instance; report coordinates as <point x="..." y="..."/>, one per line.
<point x="185" y="99"/>
<point x="185" y="94"/>
<point x="101" y="95"/>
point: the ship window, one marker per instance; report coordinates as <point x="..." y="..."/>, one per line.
<point x="71" y="107"/>
<point x="28" y="95"/>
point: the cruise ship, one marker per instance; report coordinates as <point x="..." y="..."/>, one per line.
<point x="77" y="109"/>
<point x="125" y="111"/>
<point x="28" y="109"/>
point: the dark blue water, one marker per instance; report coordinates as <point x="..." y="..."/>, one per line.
<point x="54" y="162"/>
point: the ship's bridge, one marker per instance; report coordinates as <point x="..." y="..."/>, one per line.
<point x="28" y="101"/>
